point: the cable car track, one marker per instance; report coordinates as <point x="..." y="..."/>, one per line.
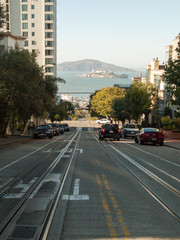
<point x="167" y="186"/>
<point x="8" y="222"/>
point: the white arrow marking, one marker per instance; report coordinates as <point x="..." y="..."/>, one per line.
<point x="76" y="195"/>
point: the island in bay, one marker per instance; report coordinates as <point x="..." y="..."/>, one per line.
<point x="102" y="74"/>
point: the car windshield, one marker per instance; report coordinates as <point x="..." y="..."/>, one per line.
<point x="150" y="130"/>
<point x="132" y="126"/>
<point x="42" y="127"/>
<point x="110" y="127"/>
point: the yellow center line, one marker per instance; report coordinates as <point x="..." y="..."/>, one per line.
<point x="117" y="209"/>
<point x="112" y="229"/>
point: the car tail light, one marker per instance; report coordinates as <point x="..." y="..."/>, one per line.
<point x="103" y="130"/>
<point x="119" y="130"/>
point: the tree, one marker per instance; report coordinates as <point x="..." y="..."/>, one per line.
<point x="24" y="91"/>
<point x="172" y="77"/>
<point x="101" y="102"/>
<point x="119" y="109"/>
<point x="138" y="100"/>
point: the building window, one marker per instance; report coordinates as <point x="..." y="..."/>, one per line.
<point x="49" y="43"/>
<point x="25" y="26"/>
<point x="25" y="34"/>
<point x="33" y="50"/>
<point x="48" y="26"/>
<point x="32" y="24"/>
<point x="32" y="16"/>
<point x="49" y="0"/>
<point x="24" y="0"/>
<point x="24" y="8"/>
<point x="48" y="69"/>
<point x="48" y="8"/>
<point x="24" y="16"/>
<point x="33" y="34"/>
<point x="49" y="60"/>
<point x="49" y="16"/>
<point x="33" y="42"/>
<point x="48" y="35"/>
<point x="32" y="7"/>
<point x="26" y="43"/>
<point x="49" y="52"/>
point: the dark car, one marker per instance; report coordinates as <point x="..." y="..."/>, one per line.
<point x="66" y="127"/>
<point x="55" y="127"/>
<point x="129" y="130"/>
<point x="43" y="131"/>
<point x="61" y="128"/>
<point x="109" y="131"/>
<point x="149" y="135"/>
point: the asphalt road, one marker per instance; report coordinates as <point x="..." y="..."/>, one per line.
<point x="77" y="187"/>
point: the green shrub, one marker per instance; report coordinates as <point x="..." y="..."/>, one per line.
<point x="166" y="121"/>
<point x="177" y="123"/>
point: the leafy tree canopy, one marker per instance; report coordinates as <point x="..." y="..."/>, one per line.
<point x="101" y="102"/>
<point x="172" y="77"/>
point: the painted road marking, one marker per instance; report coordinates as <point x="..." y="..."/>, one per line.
<point x="117" y="210"/>
<point x="76" y="195"/>
<point x="48" y="151"/>
<point x="81" y="150"/>
<point x="24" y="187"/>
<point x="51" y="177"/>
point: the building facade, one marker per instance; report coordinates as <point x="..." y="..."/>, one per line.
<point x="154" y="75"/>
<point x="36" y="21"/>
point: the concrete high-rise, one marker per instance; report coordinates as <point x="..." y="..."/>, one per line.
<point x="35" y="20"/>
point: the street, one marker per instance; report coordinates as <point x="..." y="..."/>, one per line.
<point x="74" y="186"/>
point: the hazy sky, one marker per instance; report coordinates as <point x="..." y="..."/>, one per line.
<point x="128" y="33"/>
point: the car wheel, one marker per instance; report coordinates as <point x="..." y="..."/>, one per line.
<point x="141" y="142"/>
<point x="118" y="139"/>
<point x="161" y="143"/>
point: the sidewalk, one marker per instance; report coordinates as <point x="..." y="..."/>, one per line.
<point x="10" y="140"/>
<point x="19" y="139"/>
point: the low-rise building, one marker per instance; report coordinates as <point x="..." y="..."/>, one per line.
<point x="10" y="41"/>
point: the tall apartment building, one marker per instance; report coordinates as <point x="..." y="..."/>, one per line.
<point x="35" y="20"/>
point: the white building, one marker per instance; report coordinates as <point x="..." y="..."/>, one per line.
<point x="10" y="41"/>
<point x="154" y="75"/>
<point x="35" y="20"/>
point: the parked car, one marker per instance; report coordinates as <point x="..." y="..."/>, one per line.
<point x="149" y="135"/>
<point x="129" y="130"/>
<point x="43" y="131"/>
<point x="109" y="131"/>
<point x="66" y="127"/>
<point x="55" y="127"/>
<point x="103" y="121"/>
<point x="61" y="128"/>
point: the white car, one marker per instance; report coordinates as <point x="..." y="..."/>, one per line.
<point x="103" y="121"/>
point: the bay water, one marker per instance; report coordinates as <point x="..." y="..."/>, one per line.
<point x="84" y="86"/>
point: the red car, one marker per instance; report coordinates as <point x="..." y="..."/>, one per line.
<point x="149" y="135"/>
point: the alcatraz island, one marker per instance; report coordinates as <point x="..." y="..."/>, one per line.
<point x="102" y="74"/>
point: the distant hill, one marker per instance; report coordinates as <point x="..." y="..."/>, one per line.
<point x="87" y="65"/>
